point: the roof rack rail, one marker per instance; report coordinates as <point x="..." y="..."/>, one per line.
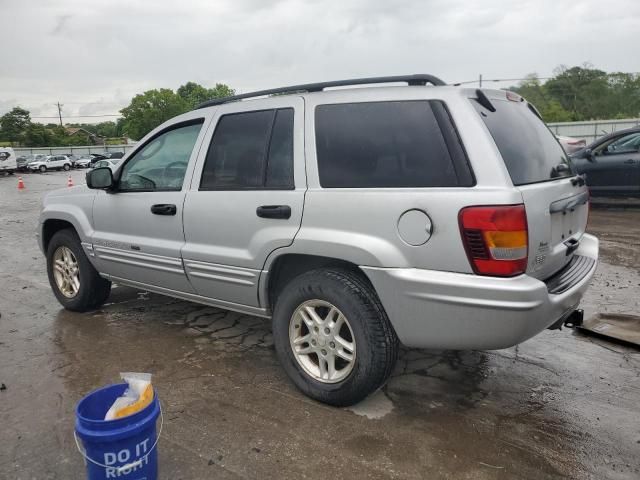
<point x="418" y="79"/>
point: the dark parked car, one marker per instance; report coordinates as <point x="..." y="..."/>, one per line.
<point x="21" y="163"/>
<point x="612" y="163"/>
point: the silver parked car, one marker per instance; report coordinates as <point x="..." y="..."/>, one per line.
<point x="51" y="162"/>
<point x="356" y="219"/>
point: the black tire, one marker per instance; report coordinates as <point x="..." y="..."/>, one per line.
<point x="375" y="339"/>
<point x="66" y="167"/>
<point x="42" y="169"/>
<point x="94" y="289"/>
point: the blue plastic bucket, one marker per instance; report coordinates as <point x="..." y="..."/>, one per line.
<point x="122" y="448"/>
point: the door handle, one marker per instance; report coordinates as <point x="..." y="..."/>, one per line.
<point x="631" y="160"/>
<point x="163" y="209"/>
<point x="274" y="211"/>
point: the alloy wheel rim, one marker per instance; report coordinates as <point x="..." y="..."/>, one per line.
<point x="322" y="341"/>
<point x="66" y="272"/>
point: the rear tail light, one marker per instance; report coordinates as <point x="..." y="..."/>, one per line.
<point x="495" y="238"/>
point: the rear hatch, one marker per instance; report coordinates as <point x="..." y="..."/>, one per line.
<point x="555" y="199"/>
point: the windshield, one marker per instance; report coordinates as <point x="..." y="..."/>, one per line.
<point x="529" y="150"/>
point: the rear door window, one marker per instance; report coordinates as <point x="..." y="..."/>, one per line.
<point x="530" y="151"/>
<point x="251" y="150"/>
<point x="389" y="144"/>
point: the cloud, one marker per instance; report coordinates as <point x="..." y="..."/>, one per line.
<point x="61" y="20"/>
<point x="101" y="53"/>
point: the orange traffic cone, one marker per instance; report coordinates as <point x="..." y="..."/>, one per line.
<point x="20" y="183"/>
<point x="69" y="181"/>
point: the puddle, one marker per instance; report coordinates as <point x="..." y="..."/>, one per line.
<point x="374" y="407"/>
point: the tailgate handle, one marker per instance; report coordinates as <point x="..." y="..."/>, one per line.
<point x="572" y="245"/>
<point x="569" y="203"/>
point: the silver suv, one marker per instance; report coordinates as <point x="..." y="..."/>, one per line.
<point x="356" y="219"/>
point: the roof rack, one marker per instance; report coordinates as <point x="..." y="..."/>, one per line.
<point x="418" y="79"/>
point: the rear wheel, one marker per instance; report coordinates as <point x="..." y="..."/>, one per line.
<point x="66" y="167"/>
<point x="333" y="337"/>
<point x="43" y="169"/>
<point x="74" y="281"/>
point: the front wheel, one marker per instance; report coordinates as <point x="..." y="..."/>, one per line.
<point x="43" y="169"/>
<point x="73" y="279"/>
<point x="333" y="337"/>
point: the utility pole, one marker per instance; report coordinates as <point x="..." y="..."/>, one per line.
<point x="480" y="81"/>
<point x="60" y="112"/>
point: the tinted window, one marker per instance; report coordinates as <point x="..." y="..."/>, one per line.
<point x="383" y="144"/>
<point x="251" y="150"/>
<point x="280" y="159"/>
<point x="625" y="144"/>
<point x="528" y="148"/>
<point x="161" y="163"/>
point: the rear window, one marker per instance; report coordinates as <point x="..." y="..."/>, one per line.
<point x="528" y="148"/>
<point x="389" y="144"/>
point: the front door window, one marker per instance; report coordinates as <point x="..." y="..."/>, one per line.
<point x="162" y="163"/>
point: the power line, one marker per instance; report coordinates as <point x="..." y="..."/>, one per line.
<point x="485" y="80"/>
<point x="481" y="79"/>
<point x="82" y="116"/>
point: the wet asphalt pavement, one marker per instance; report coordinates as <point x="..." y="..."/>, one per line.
<point x="562" y="405"/>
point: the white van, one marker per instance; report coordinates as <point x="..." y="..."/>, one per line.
<point x="7" y="160"/>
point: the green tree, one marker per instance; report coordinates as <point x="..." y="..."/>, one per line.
<point x="14" y="124"/>
<point x="148" y="110"/>
<point x="195" y="94"/>
<point x="582" y="91"/>
<point x="38" y="135"/>
<point x="536" y="94"/>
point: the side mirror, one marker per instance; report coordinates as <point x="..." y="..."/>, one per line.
<point x="588" y="154"/>
<point x="101" y="177"/>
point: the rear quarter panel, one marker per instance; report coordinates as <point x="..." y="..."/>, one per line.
<point x="360" y="224"/>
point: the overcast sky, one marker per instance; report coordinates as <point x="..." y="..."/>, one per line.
<point x="94" y="55"/>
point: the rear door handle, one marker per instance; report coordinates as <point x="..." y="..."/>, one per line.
<point x="163" y="209"/>
<point x="631" y="160"/>
<point x="274" y="211"/>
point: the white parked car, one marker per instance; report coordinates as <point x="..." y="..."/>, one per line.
<point x="112" y="164"/>
<point x="8" y="162"/>
<point x="52" y="162"/>
<point x="571" y="144"/>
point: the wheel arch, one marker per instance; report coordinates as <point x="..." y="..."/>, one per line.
<point x="53" y="220"/>
<point x="286" y="266"/>
<point x="50" y="227"/>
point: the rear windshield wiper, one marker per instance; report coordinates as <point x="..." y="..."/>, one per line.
<point x="484" y="101"/>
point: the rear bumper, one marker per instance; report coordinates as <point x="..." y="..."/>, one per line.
<point x="433" y="309"/>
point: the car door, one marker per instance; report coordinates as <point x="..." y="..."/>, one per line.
<point x="246" y="197"/>
<point x="138" y="226"/>
<point x="615" y="166"/>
